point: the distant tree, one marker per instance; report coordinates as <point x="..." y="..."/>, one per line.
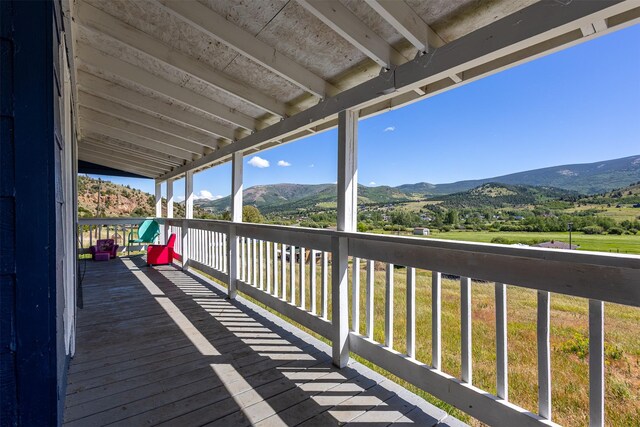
<point x="451" y="217"/>
<point x="252" y="214"/>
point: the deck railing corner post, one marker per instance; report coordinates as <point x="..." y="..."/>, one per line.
<point x="340" y="301"/>
<point x="233" y="262"/>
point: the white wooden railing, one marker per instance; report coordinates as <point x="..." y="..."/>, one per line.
<point x="269" y="263"/>
<point x="90" y="230"/>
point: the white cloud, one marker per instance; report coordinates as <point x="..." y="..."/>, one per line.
<point x="389" y="129"/>
<point x="179" y="199"/>
<point x="312" y="165"/>
<point x="372" y="183"/>
<point x="205" y="195"/>
<point x="259" y="162"/>
<point x="283" y="163"/>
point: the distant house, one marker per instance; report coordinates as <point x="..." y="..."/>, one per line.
<point x="421" y="231"/>
<point x="554" y="244"/>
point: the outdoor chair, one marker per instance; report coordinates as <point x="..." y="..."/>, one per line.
<point x="147" y="232"/>
<point x="104" y="246"/>
<point x="161" y="254"/>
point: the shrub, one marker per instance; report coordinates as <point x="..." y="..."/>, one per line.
<point x="501" y="240"/>
<point x="593" y="229"/>
<point x="579" y="345"/>
<point x="616" y="230"/>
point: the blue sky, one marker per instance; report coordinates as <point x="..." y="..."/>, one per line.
<point x="579" y="105"/>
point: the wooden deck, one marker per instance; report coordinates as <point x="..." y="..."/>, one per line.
<point x="160" y="346"/>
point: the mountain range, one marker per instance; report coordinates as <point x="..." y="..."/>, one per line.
<point x="588" y="178"/>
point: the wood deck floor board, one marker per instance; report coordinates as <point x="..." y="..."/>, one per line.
<point x="161" y="346"/>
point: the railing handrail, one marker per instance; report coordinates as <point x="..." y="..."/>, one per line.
<point x="111" y="220"/>
<point x="556" y="270"/>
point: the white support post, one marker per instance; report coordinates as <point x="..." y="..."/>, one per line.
<point x="188" y="214"/>
<point x="236" y="216"/>
<point x="158" y="199"/>
<point x="169" y="207"/>
<point x="188" y="195"/>
<point x="340" y="303"/>
<point x="158" y="207"/>
<point x="596" y="363"/>
<point x="347" y="217"/>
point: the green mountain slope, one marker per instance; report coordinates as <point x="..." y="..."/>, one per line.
<point x="587" y="178"/>
<point x="591" y="178"/>
<point x="494" y="195"/>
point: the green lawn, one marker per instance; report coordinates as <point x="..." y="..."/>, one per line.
<point x="627" y="244"/>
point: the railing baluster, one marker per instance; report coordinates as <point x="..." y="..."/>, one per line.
<point x="292" y="274"/>
<point x="312" y="274"/>
<point x="276" y="285"/>
<point x="302" y="280"/>
<point x="388" y="311"/>
<point x="90" y="236"/>
<point x="217" y="258"/>
<point x="241" y="255"/>
<point x="261" y="264"/>
<point x="250" y="261"/>
<point x="411" y="312"/>
<point x="596" y="363"/>
<point x="436" y="320"/>
<point x="465" y="318"/>
<point x="501" y="342"/>
<point x="369" y="302"/>
<point x="544" y="356"/>
<point x="355" y="295"/>
<point x="283" y="271"/>
<point x="268" y="266"/>
<point x="225" y="242"/>
<point x="325" y="285"/>
<point x="254" y="260"/>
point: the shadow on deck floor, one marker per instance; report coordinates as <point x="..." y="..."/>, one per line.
<point x="160" y="346"/>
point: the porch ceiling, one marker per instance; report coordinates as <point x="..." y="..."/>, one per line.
<point x="163" y="86"/>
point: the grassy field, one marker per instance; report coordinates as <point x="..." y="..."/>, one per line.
<point x="628" y="244"/>
<point x="569" y="341"/>
<point x="619" y="214"/>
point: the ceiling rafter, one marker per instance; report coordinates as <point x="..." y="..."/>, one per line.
<point x="91" y="56"/>
<point x="115" y="145"/>
<point x="216" y="26"/>
<point x="341" y="20"/>
<point x="104" y="23"/>
<point x="119" y="134"/>
<point x="408" y="23"/>
<point x="116" y="155"/>
<point x="107" y="89"/>
<point x="123" y="166"/>
<point x="131" y="115"/>
<point x="136" y="129"/>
